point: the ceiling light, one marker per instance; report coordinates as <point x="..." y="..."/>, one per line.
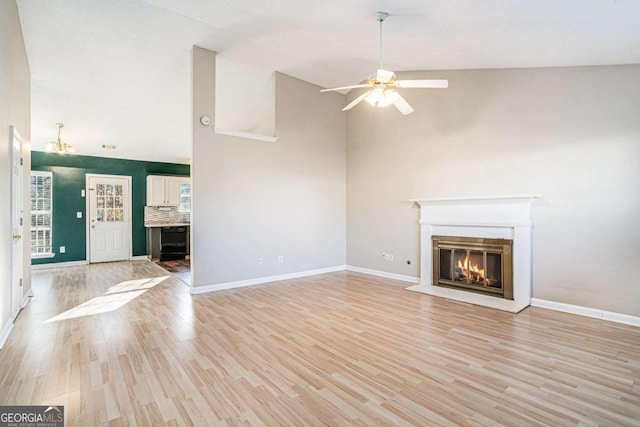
<point x="59" y="146"/>
<point x="382" y="97"/>
<point x="383" y="84"/>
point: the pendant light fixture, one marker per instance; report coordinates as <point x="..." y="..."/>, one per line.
<point x="59" y="146"/>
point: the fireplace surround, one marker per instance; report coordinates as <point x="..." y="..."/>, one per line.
<point x="492" y="218"/>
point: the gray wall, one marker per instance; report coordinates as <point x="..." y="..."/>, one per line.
<point x="15" y="109"/>
<point x="570" y="134"/>
<point x="255" y="199"/>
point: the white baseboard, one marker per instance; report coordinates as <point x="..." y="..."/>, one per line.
<point x="26" y="298"/>
<point x="6" y="330"/>
<point x="384" y="274"/>
<point x="586" y="311"/>
<point x="261" y="280"/>
<point x="77" y="263"/>
<point x="4" y="333"/>
<point x="58" y="265"/>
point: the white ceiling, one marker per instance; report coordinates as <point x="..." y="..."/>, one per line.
<point x="118" y="72"/>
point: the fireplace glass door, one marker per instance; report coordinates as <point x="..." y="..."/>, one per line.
<point x="482" y="265"/>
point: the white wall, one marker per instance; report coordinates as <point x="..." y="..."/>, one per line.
<point x="570" y="134"/>
<point x="245" y="96"/>
<point x="15" y="109"/>
<point x="255" y="199"/>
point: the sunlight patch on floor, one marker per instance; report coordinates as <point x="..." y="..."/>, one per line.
<point x="135" y="285"/>
<point x="115" y="297"/>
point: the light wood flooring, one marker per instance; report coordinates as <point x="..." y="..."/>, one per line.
<point x="180" y="268"/>
<point x="340" y="349"/>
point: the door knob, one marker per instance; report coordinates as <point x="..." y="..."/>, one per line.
<point x="17" y="237"/>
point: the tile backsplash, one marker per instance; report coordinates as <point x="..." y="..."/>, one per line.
<point x="165" y="215"/>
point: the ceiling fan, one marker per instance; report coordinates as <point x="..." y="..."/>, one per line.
<point x="382" y="85"/>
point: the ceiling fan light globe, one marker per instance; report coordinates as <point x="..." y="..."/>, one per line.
<point x="380" y="97"/>
<point x="375" y="97"/>
<point x="390" y="96"/>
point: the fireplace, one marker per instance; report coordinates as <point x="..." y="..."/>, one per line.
<point x="477" y="250"/>
<point x="474" y="264"/>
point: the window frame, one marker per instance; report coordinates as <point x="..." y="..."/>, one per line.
<point x="50" y="254"/>
<point x="184" y="181"/>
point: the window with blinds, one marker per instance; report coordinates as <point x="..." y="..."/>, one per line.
<point x="41" y="214"/>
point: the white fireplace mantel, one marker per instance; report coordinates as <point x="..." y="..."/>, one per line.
<point x="504" y="217"/>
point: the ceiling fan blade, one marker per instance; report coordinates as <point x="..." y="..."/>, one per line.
<point x="403" y="106"/>
<point x="345" y="87"/>
<point x="424" y="84"/>
<point x="356" y="101"/>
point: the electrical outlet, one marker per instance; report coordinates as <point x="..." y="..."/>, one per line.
<point x="387" y="257"/>
<point x="281" y="259"/>
<point x="260" y="261"/>
<point x="62" y="249"/>
<point x="78" y="214"/>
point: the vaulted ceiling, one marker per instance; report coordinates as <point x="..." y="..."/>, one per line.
<point x="117" y="72"/>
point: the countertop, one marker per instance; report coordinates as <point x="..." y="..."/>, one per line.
<point x="167" y="224"/>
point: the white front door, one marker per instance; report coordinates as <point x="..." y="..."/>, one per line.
<point x="17" y="252"/>
<point x="109" y="217"/>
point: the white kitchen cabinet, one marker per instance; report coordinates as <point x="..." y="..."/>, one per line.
<point x="173" y="191"/>
<point x="163" y="190"/>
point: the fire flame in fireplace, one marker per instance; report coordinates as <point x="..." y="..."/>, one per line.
<point x="477" y="272"/>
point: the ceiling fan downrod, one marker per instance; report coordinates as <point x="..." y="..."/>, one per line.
<point x="381" y="17"/>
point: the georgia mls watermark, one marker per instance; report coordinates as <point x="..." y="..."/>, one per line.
<point x="31" y="416"/>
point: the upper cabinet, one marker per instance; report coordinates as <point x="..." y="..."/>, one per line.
<point x="165" y="190"/>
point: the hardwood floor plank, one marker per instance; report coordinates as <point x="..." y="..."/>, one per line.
<point x="336" y="349"/>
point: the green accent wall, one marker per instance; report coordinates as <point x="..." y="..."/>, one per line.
<point x="69" y="180"/>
